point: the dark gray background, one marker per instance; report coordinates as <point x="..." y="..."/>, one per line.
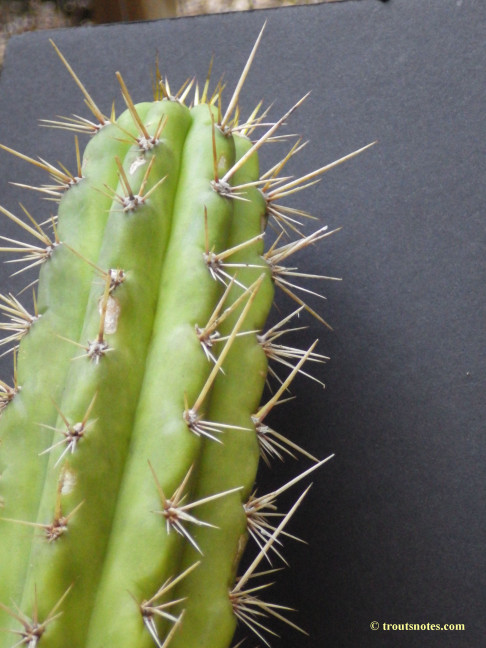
<point x="396" y="521"/>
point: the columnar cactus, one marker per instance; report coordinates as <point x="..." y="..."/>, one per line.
<point x="131" y="435"/>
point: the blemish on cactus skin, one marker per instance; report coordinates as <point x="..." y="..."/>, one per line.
<point x="136" y="164"/>
<point x="112" y="314"/>
<point x="67" y="481"/>
<point x="222" y="165"/>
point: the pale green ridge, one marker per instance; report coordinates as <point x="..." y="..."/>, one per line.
<point x="43" y="361"/>
<point x="209" y="620"/>
<point x="134" y="241"/>
<point x="141" y="553"/>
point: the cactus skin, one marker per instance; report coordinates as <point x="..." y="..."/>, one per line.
<point x="82" y="215"/>
<point x="131" y="444"/>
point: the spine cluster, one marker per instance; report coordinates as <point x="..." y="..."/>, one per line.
<point x="131" y="435"/>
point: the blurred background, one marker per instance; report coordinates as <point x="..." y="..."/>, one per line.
<point x="17" y="16"/>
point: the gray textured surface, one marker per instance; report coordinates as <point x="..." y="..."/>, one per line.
<point x="396" y="522"/>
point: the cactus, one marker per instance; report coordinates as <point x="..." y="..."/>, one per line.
<point x="131" y="435"/>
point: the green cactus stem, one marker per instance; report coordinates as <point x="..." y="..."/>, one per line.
<point x="131" y="437"/>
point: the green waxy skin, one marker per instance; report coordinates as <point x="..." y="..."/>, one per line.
<point x="209" y="612"/>
<point x="178" y="366"/>
<point x="127" y="238"/>
<point x="62" y="296"/>
<point x="130" y="449"/>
